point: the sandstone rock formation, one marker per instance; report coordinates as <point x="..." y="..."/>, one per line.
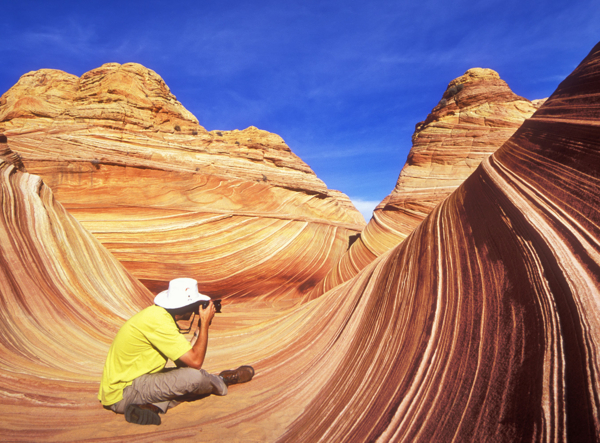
<point x="237" y="210"/>
<point x="477" y="113"/>
<point x="62" y="296"/>
<point x="481" y="326"/>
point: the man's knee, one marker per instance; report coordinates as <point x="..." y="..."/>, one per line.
<point x="195" y="381"/>
<point x="176" y="382"/>
<point x="192" y="375"/>
<point x="206" y="383"/>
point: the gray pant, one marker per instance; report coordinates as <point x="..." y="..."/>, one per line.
<point x="169" y="387"/>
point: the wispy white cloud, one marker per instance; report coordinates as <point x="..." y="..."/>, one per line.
<point x="69" y="37"/>
<point x="365" y="207"/>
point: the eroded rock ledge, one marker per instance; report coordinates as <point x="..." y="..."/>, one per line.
<point x="237" y="210"/>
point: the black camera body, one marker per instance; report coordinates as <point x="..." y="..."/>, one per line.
<point x="217" y="303"/>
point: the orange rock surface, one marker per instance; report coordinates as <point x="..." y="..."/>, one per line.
<point x="62" y="296"/>
<point x="477" y="113"/>
<point x="482" y="325"/>
<point x="237" y="210"/>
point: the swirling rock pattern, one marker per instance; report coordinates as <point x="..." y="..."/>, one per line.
<point x="237" y="210"/>
<point x="477" y="113"/>
<point x="482" y="325"/>
<point x="62" y="295"/>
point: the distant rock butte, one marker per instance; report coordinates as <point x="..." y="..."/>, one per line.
<point x="132" y="106"/>
<point x="477" y="113"/>
<point x="237" y="210"/>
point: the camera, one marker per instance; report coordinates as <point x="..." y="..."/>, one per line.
<point x="217" y="303"/>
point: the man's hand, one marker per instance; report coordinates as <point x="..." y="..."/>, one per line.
<point x="206" y="314"/>
<point x="195" y="356"/>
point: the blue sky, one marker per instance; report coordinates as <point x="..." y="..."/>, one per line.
<point x="343" y="82"/>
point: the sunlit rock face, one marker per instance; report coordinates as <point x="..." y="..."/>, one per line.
<point x="481" y="326"/>
<point x="477" y="113"/>
<point x="62" y="296"/>
<point x="237" y="210"/>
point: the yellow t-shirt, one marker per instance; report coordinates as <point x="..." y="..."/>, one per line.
<point x="142" y="346"/>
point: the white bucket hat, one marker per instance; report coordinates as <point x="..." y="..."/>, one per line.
<point x="182" y="292"/>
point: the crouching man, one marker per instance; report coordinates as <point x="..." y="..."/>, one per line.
<point x="135" y="381"/>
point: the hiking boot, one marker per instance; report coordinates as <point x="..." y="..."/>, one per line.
<point x="142" y="414"/>
<point x="242" y="374"/>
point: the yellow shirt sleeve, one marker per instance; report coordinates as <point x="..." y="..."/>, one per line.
<point x="165" y="337"/>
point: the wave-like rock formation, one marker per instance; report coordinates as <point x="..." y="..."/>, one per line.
<point x="476" y="115"/>
<point x="62" y="295"/>
<point x="237" y="210"/>
<point x="482" y="325"/>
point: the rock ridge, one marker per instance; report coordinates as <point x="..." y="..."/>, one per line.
<point x="478" y="112"/>
<point x="113" y="100"/>
<point x="165" y="195"/>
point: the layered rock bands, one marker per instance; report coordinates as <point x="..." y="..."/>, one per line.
<point x="62" y="295"/>
<point x="477" y="113"/>
<point x="237" y="210"/>
<point x="482" y="325"/>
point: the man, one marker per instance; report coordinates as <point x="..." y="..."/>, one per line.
<point x="135" y="381"/>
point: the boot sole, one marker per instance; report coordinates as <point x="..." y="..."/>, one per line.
<point x="139" y="416"/>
